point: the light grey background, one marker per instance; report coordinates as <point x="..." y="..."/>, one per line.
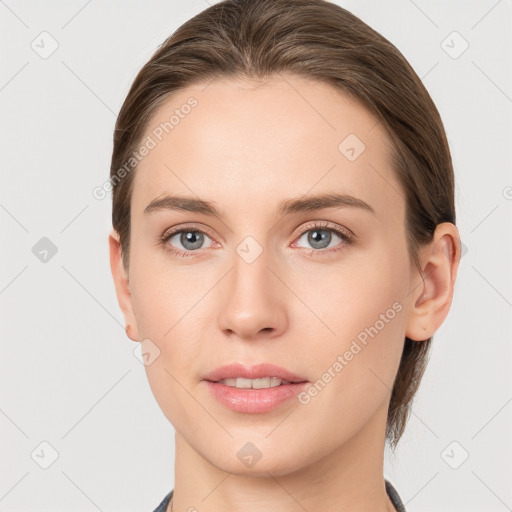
<point x="68" y="374"/>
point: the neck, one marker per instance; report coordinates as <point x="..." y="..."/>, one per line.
<point x="348" y="478"/>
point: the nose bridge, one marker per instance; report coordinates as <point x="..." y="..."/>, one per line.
<point x="251" y="299"/>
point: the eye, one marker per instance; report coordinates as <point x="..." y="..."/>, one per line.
<point x="323" y="236"/>
<point x="185" y="241"/>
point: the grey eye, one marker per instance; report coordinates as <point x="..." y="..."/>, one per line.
<point x="190" y="240"/>
<point x="320" y="238"/>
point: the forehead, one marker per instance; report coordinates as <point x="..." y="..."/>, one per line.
<point x="285" y="135"/>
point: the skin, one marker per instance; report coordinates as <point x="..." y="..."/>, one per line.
<point x="247" y="148"/>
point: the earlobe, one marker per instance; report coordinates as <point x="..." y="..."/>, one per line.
<point x="431" y="299"/>
<point x="122" y="286"/>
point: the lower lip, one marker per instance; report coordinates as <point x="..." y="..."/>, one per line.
<point x="254" y="400"/>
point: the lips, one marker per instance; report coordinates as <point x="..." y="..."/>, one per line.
<point x="231" y="371"/>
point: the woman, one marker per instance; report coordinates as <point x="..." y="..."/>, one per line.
<point x="284" y="248"/>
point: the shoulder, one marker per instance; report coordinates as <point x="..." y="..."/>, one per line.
<point x="394" y="497"/>
<point x="163" y="505"/>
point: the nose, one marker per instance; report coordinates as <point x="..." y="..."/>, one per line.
<point x="252" y="303"/>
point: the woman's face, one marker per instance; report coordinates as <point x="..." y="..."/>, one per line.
<point x="320" y="288"/>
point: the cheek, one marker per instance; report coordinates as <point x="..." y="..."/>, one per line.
<point x="163" y="292"/>
<point x="363" y="311"/>
<point x="353" y="295"/>
<point x="169" y="311"/>
<point x="174" y="308"/>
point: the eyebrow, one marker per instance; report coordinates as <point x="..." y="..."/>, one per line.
<point x="288" y="206"/>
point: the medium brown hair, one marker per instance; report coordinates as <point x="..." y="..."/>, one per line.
<point x="319" y="40"/>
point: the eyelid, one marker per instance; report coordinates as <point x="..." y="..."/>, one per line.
<point x="308" y="226"/>
<point x="187" y="227"/>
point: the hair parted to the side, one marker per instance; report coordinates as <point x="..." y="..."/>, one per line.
<point x="316" y="39"/>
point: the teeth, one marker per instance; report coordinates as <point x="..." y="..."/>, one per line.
<point x="242" y="383"/>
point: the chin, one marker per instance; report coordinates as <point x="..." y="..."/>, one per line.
<point x="278" y="464"/>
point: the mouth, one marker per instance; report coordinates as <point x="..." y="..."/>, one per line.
<point x="262" y="383"/>
<point x="260" y="376"/>
<point x="254" y="389"/>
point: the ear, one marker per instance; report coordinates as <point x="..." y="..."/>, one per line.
<point x="122" y="286"/>
<point x="433" y="296"/>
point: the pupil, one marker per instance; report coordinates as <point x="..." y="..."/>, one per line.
<point x="318" y="237"/>
<point x="191" y="239"/>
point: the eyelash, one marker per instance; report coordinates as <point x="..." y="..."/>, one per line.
<point x="345" y="234"/>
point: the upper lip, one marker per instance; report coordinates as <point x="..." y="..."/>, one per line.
<point x="231" y="371"/>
